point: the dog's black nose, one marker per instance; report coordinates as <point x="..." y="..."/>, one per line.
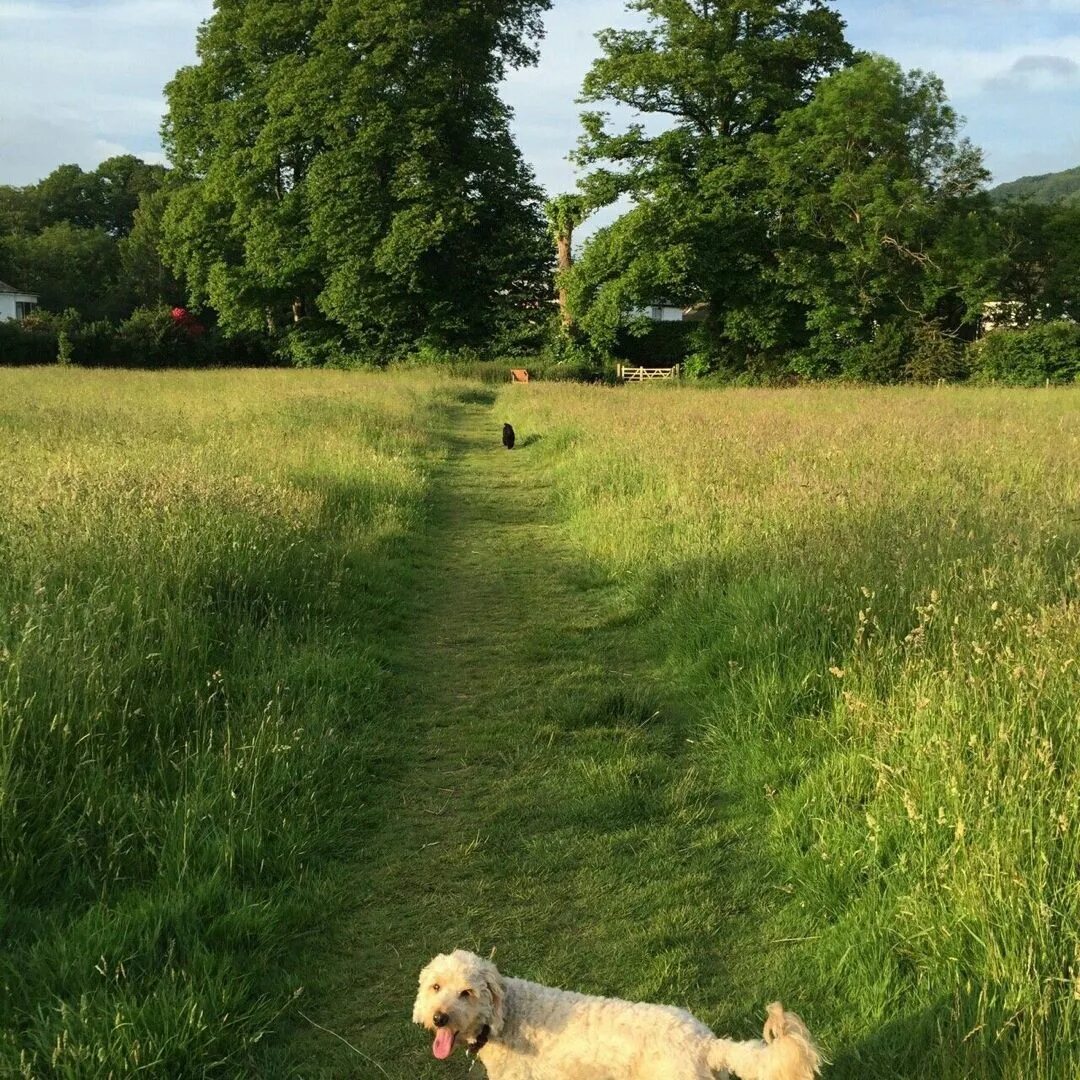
<point x="440" y="1019"/>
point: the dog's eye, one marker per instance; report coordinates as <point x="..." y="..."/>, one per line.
<point x="436" y="988"/>
<point x="465" y="993"/>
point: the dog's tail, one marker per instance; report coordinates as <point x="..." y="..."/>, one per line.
<point x="786" y="1053"/>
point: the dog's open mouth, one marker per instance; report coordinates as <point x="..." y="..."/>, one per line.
<point x="443" y="1046"/>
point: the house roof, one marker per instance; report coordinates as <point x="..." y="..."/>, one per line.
<point x="5" y="288"/>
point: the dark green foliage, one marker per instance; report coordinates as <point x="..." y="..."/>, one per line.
<point x="67" y="266"/>
<point x="663" y="344"/>
<point x="151" y="337"/>
<point x="1059" y="187"/>
<point x="1040" y="248"/>
<point x="144" y="278"/>
<point x="355" y="160"/>
<point x="80" y="241"/>
<point x="26" y="343"/>
<point x="907" y="352"/>
<point x="715" y="74"/>
<point x="882" y="359"/>
<point x="316" y="343"/>
<point x="876" y="211"/>
<point x="1042" y="353"/>
<point x="936" y="356"/>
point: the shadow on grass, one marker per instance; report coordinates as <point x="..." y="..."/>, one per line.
<point x="907" y="1048"/>
<point x="473" y="396"/>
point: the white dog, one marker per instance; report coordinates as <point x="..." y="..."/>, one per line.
<point x="522" y="1031"/>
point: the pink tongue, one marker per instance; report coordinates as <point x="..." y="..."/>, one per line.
<point x="444" y="1044"/>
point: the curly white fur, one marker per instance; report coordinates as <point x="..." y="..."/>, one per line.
<point x="523" y="1031"/>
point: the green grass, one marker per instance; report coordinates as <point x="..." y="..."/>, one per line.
<point x="698" y="697"/>
<point x="547" y="803"/>
<point x="870" y="598"/>
<point x="197" y="572"/>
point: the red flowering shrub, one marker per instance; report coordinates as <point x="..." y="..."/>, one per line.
<point x="184" y="320"/>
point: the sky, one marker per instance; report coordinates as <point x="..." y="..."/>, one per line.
<point x="81" y="80"/>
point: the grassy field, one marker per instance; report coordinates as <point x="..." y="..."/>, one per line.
<point x="197" y="570"/>
<point x="872" y="599"/>
<point x="703" y="697"/>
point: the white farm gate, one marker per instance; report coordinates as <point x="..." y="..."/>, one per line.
<point x="646" y="374"/>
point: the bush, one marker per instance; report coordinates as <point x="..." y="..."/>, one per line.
<point x="935" y="356"/>
<point x="244" y="350"/>
<point x="881" y="360"/>
<point x="570" y="357"/>
<point x="316" y="343"/>
<point x="730" y="366"/>
<point x="158" y="337"/>
<point x="1041" y="353"/>
<point x="32" y="341"/>
<point x="94" y="344"/>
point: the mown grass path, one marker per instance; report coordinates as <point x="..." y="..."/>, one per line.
<point x="538" y="796"/>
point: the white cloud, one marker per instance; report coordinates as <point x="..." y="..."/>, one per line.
<point x="1038" y="74"/>
<point x="79" y="83"/>
<point x="1033" y="62"/>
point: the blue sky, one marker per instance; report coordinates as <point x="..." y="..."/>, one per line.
<point x="81" y="79"/>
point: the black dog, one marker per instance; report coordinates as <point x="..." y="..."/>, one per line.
<point x="508" y="437"/>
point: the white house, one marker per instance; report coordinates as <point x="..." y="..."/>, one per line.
<point x="15" y="304"/>
<point x="673" y="313"/>
<point x="664" y="313"/>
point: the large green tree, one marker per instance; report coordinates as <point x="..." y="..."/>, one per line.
<point x="877" y="211"/>
<point x="704" y="77"/>
<point x="353" y="158"/>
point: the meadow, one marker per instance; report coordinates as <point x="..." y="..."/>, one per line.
<point x="197" y="571"/>
<point x="872" y="599"/>
<point x="699" y="696"/>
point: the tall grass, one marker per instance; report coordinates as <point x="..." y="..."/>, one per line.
<point x="873" y="598"/>
<point x="198" y="571"/>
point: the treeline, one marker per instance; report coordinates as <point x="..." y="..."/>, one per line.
<point x="345" y="188"/>
<point x="89" y="245"/>
<point x="819" y="206"/>
<point x="89" y="241"/>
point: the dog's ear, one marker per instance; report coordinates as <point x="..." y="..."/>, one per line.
<point x="496" y="988"/>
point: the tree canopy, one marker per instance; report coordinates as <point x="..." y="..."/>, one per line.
<point x="704" y="77"/>
<point x="63" y="238"/>
<point x="345" y="184"/>
<point x="352" y="157"/>
<point x="802" y="195"/>
<point x="876" y="209"/>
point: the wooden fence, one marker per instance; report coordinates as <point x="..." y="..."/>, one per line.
<point x="644" y="374"/>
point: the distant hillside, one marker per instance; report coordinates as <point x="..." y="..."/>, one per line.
<point x="1050" y="188"/>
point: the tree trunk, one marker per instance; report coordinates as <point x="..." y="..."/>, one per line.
<point x="565" y="242"/>
<point x="297" y="309"/>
